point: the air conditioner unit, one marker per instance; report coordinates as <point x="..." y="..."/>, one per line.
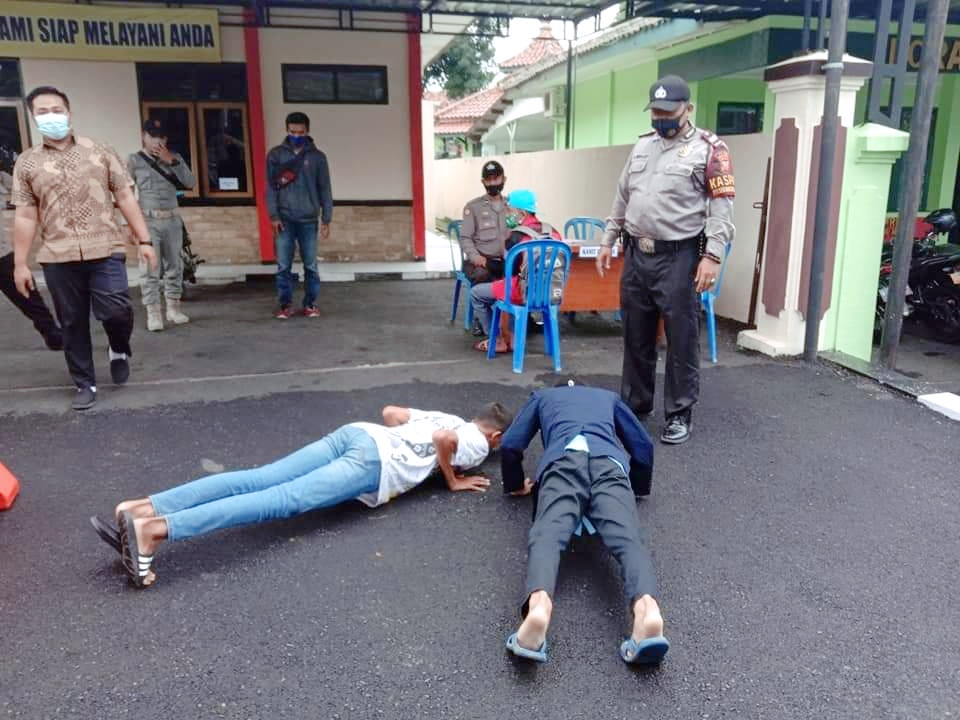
<point x="555" y="103"/>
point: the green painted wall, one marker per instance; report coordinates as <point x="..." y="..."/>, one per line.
<point x="870" y="153"/>
<point x="608" y="110"/>
<point x="631" y="89"/>
<point x="712" y="92"/>
<point x="591" y="113"/>
<point x="940" y="179"/>
<point x="946" y="146"/>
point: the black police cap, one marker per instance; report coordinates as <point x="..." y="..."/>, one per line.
<point x="669" y="93"/>
<point x="491" y="169"/>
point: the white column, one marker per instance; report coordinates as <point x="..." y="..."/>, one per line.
<point x="798" y="85"/>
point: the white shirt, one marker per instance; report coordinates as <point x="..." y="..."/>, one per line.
<point x="408" y="456"/>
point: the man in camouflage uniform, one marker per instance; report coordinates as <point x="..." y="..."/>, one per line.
<point x="674" y="208"/>
<point x="159" y="174"/>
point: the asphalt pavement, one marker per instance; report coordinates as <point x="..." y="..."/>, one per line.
<point x="807" y="538"/>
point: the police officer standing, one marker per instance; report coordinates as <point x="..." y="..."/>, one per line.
<point x="484" y="231"/>
<point x="674" y="209"/>
<point x="159" y="175"/>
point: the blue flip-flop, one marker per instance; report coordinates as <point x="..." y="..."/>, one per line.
<point x="514" y="646"/>
<point x="649" y="651"/>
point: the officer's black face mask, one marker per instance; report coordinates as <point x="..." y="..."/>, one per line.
<point x="666" y="127"/>
<point x="669" y="127"/>
<point x="494" y="190"/>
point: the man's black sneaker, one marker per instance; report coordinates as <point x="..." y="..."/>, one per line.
<point x="119" y="369"/>
<point x="677" y="430"/>
<point x="85" y="398"/>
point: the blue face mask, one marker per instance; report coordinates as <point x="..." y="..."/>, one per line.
<point x="297" y="140"/>
<point x="55" y="126"/>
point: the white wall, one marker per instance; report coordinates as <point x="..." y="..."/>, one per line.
<point x="231" y="44"/>
<point x="368" y="146"/>
<point x="429" y="182"/>
<point x="581" y="182"/>
<point x="103" y="98"/>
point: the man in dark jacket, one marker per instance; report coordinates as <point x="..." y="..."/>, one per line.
<point x="298" y="193"/>
<point x="590" y="436"/>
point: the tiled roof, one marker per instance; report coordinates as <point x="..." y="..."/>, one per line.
<point x="471" y="106"/>
<point x="464" y="115"/>
<point x="452" y="127"/>
<point x="543" y="46"/>
<point x="603" y="39"/>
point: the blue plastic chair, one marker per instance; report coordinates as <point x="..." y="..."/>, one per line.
<point x="585" y="229"/>
<point x="540" y="257"/>
<point x="707" y="300"/>
<point x="453" y="233"/>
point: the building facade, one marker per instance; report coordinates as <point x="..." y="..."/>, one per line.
<point x="224" y="87"/>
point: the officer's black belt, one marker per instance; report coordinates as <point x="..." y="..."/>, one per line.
<point x="650" y="246"/>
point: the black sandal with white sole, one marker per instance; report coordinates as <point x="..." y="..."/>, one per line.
<point x="107" y="532"/>
<point x="138" y="566"/>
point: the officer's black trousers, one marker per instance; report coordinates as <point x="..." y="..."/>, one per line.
<point x="651" y="286"/>
<point x="79" y="287"/>
<point x="33" y="307"/>
<point x="576" y="485"/>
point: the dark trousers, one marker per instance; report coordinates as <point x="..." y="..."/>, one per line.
<point x="33" y="307"/>
<point x="578" y="485"/>
<point x="653" y="286"/>
<point x="492" y="271"/>
<point x="78" y="287"/>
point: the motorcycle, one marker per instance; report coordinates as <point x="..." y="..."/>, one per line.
<point x="933" y="284"/>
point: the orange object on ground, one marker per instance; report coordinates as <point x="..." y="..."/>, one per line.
<point x="9" y="488"/>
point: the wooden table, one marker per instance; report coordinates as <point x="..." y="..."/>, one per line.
<point x="585" y="289"/>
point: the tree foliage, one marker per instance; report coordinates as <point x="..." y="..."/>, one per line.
<point x="466" y="66"/>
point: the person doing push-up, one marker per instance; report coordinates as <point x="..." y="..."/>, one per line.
<point x="361" y="461"/>
<point x="583" y="476"/>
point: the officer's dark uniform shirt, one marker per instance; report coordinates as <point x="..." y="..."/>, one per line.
<point x="672" y="189"/>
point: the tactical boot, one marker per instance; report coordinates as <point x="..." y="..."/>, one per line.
<point x="154" y="318"/>
<point x="173" y="312"/>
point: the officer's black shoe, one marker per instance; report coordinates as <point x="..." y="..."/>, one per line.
<point x="478" y="329"/>
<point x="85" y="398"/>
<point x="677" y="429"/>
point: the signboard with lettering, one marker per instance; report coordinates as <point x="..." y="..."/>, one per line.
<point x="95" y="32"/>
<point x="949" y="54"/>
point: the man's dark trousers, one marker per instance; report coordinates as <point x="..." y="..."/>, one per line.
<point x="576" y="485"/>
<point x="78" y="287"/>
<point x="33" y="307"/>
<point x="653" y="285"/>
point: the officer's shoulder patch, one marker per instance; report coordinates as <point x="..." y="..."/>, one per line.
<point x="711" y="138"/>
<point x="466" y="211"/>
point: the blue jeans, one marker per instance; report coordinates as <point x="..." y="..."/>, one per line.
<point x="339" y="467"/>
<point x="302" y="235"/>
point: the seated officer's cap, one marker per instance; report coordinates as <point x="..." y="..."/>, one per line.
<point x="491" y="169"/>
<point x="155" y="127"/>
<point x="669" y="93"/>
